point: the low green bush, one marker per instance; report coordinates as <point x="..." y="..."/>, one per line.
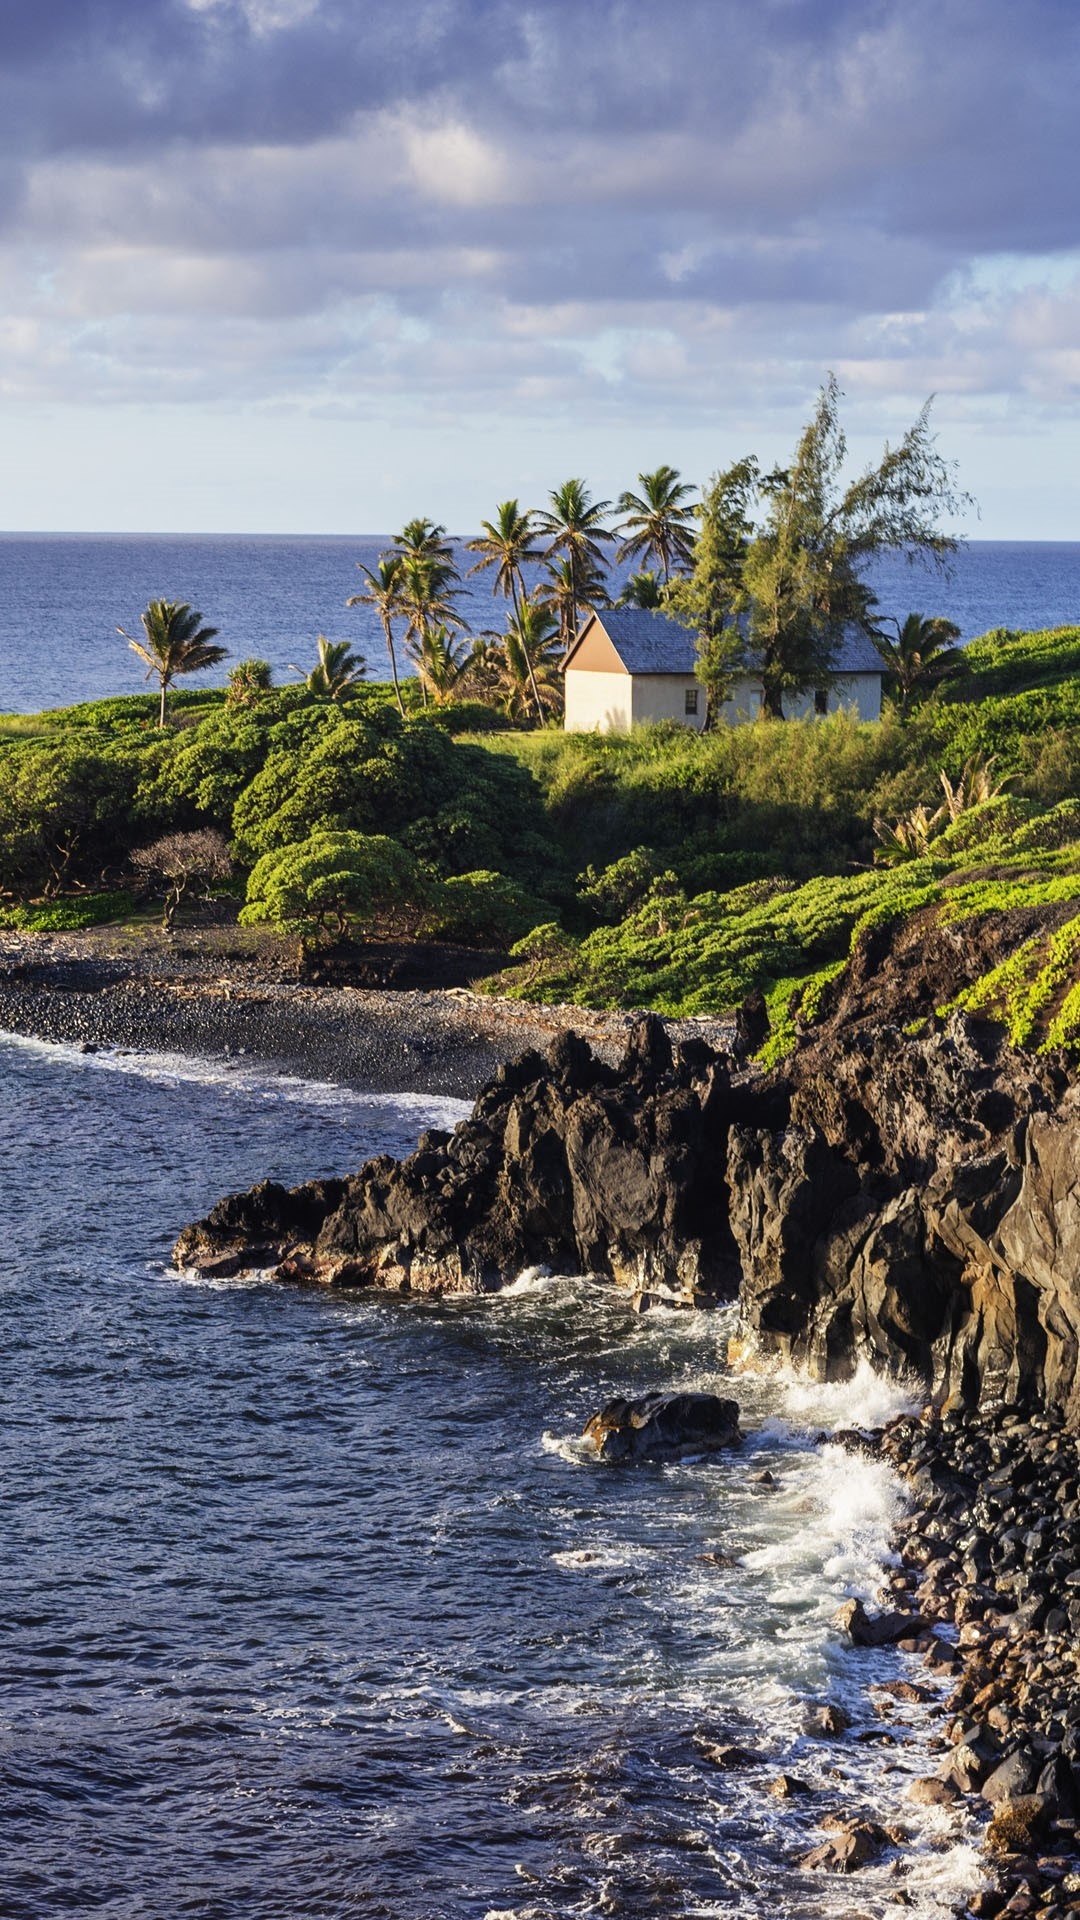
<point x="70" y="915"/>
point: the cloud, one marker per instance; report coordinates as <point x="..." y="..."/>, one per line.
<point x="539" y="207"/>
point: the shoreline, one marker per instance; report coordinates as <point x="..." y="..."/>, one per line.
<point x="208" y="1002"/>
<point x="989" y="1552"/>
<point x="1014" y="1660"/>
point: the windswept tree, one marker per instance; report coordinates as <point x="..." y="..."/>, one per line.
<point x="337" y="672"/>
<point x="332" y="885"/>
<point x="384" y="593"/>
<point x="802" y="579"/>
<point x="659" y="522"/>
<point x="179" y="862"/>
<point x="506" y="543"/>
<point x="711" y="597"/>
<point x="176" y="643"/>
<point x="577" y="536"/>
<point x="783" y="581"/>
<point x="921" y="658"/>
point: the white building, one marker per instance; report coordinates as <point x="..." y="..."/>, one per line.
<point x="630" y="666"/>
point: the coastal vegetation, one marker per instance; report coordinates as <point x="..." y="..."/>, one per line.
<point x="667" y="868"/>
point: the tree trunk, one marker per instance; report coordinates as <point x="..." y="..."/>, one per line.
<point x="535" y="688"/>
<point x="161" y="711"/>
<point x="772" y="702"/>
<point x="393" y="668"/>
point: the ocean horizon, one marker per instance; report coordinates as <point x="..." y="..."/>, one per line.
<point x="270" y="596"/>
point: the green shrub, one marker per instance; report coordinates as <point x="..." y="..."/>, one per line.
<point x="332" y="885"/>
<point x="483" y="909"/>
<point x="70" y="915"/>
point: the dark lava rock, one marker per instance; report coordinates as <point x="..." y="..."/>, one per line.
<point x="663" y="1426"/>
<point x="826" y="1720"/>
<point x="854" y="1844"/>
<point x="565" y="1162"/>
<point x="731" y="1759"/>
<point x="788" y="1786"/>
<point x="875" y="1630"/>
<point x="920" y="1211"/>
<point x="904" y="1198"/>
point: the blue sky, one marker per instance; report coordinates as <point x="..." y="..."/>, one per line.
<point x="317" y="265"/>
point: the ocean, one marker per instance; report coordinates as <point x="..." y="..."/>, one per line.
<point x="314" y="1605"/>
<point x="63" y="596"/>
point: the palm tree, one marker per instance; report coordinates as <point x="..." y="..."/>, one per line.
<point x="247" y="682"/>
<point x="921" y="657"/>
<point x="441" y="662"/>
<point x="176" y="643"/>
<point x="531" y="649"/>
<point x="484" y="668"/>
<point x="643" y="589"/>
<point x="575" y="523"/>
<point x="506" y="545"/>
<point x="657" y="524"/>
<point x="384" y="594"/>
<point x="426" y="539"/>
<point x="427" y="601"/>
<point x="336" y="673"/>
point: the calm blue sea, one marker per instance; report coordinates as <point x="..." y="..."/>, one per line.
<point x="63" y="596"/>
<point x="313" y="1606"/>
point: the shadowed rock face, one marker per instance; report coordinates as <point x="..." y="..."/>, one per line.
<point x="922" y="1210"/>
<point x="912" y="1200"/>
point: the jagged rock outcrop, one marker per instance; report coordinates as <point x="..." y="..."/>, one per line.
<point x="564" y="1162"/>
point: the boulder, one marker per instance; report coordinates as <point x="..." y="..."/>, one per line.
<point x="854" y="1844"/>
<point x="825" y="1720"/>
<point x="663" y="1426"/>
<point x="875" y="1630"/>
<point x="731" y="1759"/>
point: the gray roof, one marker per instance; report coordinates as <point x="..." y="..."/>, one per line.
<point x="648" y="642"/>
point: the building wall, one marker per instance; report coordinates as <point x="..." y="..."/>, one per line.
<point x="598" y="702"/>
<point x="662" y="696"/>
<point x="594" y="652"/>
<point x="601" y="702"/>
<point x="858" y="691"/>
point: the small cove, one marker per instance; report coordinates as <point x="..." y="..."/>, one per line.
<point x="314" y="1607"/>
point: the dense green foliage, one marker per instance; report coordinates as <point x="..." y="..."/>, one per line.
<point x="81" y="796"/>
<point x="665" y="868"/>
<point x="332" y="884"/>
<point x="705" y="953"/>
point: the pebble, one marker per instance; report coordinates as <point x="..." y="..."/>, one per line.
<point x="989" y="1556"/>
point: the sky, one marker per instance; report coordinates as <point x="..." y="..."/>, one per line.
<point x="321" y="265"/>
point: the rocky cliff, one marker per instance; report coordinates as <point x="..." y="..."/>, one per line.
<point x="564" y="1162"/>
<point x="921" y="1209"/>
<point x="911" y="1198"/>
